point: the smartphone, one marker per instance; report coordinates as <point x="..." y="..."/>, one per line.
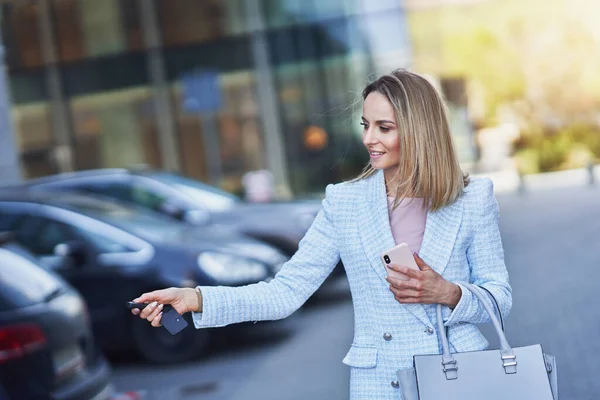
<point x="171" y="320"/>
<point x="399" y="255"/>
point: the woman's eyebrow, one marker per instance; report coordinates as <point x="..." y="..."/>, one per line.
<point x="380" y="121"/>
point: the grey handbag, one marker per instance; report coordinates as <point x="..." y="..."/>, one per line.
<point x="508" y="373"/>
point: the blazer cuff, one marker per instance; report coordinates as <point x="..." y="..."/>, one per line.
<point x="462" y="310"/>
<point x="206" y="318"/>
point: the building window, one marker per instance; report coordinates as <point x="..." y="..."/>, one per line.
<point x="239" y="130"/>
<point x="115" y="129"/>
<point x="92" y="28"/>
<point x="190" y="21"/>
<point x="21" y="35"/>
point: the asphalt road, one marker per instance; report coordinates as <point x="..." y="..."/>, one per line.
<point x="552" y="246"/>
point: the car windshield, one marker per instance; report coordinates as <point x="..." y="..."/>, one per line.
<point x="214" y="199"/>
<point x="139" y="222"/>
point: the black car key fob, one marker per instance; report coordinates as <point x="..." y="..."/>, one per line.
<point x="171" y="320"/>
<point x="132" y="305"/>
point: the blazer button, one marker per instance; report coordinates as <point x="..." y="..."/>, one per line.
<point x="387" y="336"/>
<point x="429" y="330"/>
<point x="395" y="384"/>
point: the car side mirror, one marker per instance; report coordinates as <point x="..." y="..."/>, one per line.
<point x="196" y="217"/>
<point x="73" y="250"/>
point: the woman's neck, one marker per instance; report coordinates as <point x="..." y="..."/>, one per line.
<point x="391" y="182"/>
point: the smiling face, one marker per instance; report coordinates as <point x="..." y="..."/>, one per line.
<point x="407" y="134"/>
<point x="380" y="133"/>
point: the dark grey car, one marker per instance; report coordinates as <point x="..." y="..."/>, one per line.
<point x="47" y="350"/>
<point x="112" y="252"/>
<point x="282" y="224"/>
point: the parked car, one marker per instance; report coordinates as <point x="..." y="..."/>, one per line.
<point x="112" y="252"/>
<point x="282" y="224"/>
<point x="47" y="350"/>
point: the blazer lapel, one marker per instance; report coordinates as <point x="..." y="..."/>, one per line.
<point x="441" y="229"/>
<point x="376" y="234"/>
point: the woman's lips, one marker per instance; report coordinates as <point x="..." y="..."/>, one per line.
<point x="375" y="154"/>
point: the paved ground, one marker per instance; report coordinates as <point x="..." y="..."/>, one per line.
<point x="552" y="245"/>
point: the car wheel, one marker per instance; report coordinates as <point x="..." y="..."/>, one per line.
<point x="159" y="346"/>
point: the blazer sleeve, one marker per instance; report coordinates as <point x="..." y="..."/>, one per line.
<point x="485" y="256"/>
<point x="297" y="280"/>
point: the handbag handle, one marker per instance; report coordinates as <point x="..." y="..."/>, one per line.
<point x="507" y="356"/>
<point x="497" y="307"/>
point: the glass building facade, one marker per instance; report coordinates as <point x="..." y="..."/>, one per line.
<point x="209" y="88"/>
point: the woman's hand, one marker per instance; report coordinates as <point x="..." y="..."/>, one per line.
<point x="181" y="299"/>
<point x="425" y="286"/>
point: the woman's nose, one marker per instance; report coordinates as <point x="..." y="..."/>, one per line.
<point x="369" y="137"/>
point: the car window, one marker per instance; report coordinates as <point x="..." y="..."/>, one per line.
<point x="9" y="219"/>
<point x="41" y="235"/>
<point x="102" y="243"/>
<point x="119" y="191"/>
<point x="148" y="199"/>
<point x="210" y="197"/>
<point x="135" y="193"/>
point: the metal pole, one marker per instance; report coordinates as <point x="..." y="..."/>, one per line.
<point x="267" y="95"/>
<point x="10" y="171"/>
<point x="212" y="147"/>
<point x="590" y="169"/>
<point x="61" y="128"/>
<point x="162" y="104"/>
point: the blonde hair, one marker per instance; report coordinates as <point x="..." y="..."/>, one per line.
<point x="428" y="166"/>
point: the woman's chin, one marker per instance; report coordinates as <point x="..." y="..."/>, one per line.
<point x="376" y="164"/>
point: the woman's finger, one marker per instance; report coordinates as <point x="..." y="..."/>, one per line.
<point x="135" y="311"/>
<point x="402" y="285"/>
<point x="420" y="263"/>
<point x="153" y="314"/>
<point x="156" y="320"/>
<point x="410" y="300"/>
<point x="411" y="273"/>
<point x="149" y="297"/>
<point x="148" y="310"/>
<point x="403" y="269"/>
<point x="404" y="294"/>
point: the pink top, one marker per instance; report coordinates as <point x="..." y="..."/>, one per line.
<point x="408" y="222"/>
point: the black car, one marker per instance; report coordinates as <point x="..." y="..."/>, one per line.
<point x="112" y="253"/>
<point x="282" y="224"/>
<point x="47" y="350"/>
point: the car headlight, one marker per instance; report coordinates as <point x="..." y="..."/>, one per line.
<point x="231" y="269"/>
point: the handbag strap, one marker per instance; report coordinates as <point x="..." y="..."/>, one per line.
<point x="497" y="307"/>
<point x="450" y="368"/>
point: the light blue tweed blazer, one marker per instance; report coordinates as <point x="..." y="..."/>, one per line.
<point x="461" y="242"/>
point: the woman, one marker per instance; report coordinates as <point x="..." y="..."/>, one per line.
<point x="413" y="191"/>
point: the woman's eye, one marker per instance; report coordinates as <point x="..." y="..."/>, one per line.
<point x="384" y="129"/>
<point x="365" y="126"/>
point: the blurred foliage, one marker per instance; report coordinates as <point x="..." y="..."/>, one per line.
<point x="572" y="147"/>
<point x="534" y="63"/>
